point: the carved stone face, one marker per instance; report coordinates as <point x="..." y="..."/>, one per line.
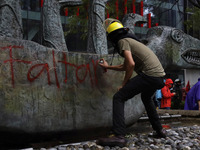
<point x="173" y="47"/>
<point x="191" y="46"/>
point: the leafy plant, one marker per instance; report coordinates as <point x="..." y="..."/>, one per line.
<point x="79" y="24"/>
<point x="194" y="19"/>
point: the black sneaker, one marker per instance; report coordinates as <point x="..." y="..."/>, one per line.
<point x="112" y="141"/>
<point x="160" y="134"/>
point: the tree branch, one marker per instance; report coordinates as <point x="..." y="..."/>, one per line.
<point x="196" y="3"/>
<point x="169" y="9"/>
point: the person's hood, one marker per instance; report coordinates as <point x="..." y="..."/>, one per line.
<point x="168" y="82"/>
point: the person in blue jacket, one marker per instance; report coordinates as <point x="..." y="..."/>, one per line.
<point x="158" y="97"/>
<point x="192" y="101"/>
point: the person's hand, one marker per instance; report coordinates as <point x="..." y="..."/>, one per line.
<point x="119" y="88"/>
<point x="103" y="63"/>
<point x="174" y="93"/>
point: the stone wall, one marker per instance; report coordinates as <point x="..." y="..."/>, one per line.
<point x="43" y="90"/>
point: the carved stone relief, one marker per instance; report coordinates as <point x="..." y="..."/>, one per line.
<point x="11" y="19"/>
<point x="97" y="42"/>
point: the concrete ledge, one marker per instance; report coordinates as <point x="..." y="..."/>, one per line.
<point x="183" y="113"/>
<point x="162" y="117"/>
<point x="173" y="114"/>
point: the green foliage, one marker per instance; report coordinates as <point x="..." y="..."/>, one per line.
<point x="182" y="104"/>
<point x="75" y="25"/>
<point x="79" y="24"/>
<point x="111" y="7"/>
<point x="194" y="19"/>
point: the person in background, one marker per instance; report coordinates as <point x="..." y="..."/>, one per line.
<point x="178" y="97"/>
<point x="158" y="97"/>
<point x="192" y="101"/>
<point x="166" y="94"/>
<point x="149" y="78"/>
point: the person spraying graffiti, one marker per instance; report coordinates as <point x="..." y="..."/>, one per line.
<point x="149" y="78"/>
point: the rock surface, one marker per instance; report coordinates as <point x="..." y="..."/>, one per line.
<point x="178" y="138"/>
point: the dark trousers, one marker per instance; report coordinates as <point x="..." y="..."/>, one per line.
<point x="145" y="85"/>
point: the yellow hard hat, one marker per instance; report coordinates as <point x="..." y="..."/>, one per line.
<point x="114" y="26"/>
<point x="111" y="25"/>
